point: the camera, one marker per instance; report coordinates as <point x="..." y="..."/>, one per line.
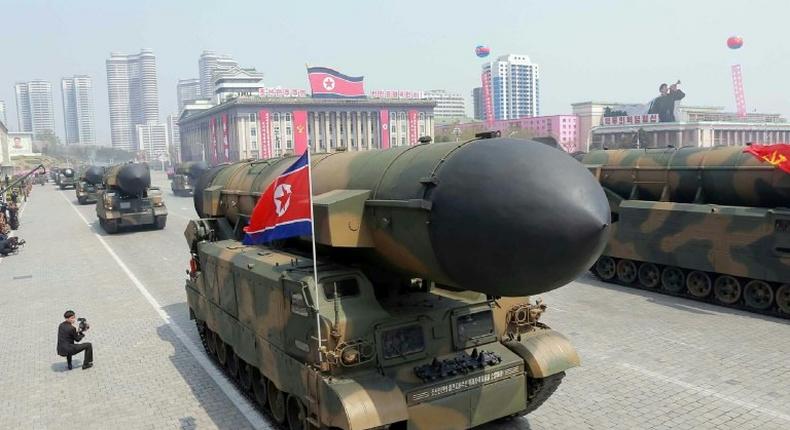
<point x="83" y="325"/>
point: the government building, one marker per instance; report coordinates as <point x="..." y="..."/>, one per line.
<point x="262" y="126"/>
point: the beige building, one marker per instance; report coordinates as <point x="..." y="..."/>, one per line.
<point x="264" y="127"/>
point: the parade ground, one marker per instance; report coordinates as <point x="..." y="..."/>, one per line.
<point x="649" y="361"/>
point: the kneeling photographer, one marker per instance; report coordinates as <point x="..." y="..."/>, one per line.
<point x="68" y="336"/>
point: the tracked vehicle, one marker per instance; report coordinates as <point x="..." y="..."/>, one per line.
<point x="128" y="199"/>
<point x="89" y="184"/>
<point x="710" y="224"/>
<point x="426" y="256"/>
<point x="184" y="176"/>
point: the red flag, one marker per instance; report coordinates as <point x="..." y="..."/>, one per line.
<point x="326" y="82"/>
<point x="777" y="155"/>
<point x="300" y="130"/>
<point x="284" y="209"/>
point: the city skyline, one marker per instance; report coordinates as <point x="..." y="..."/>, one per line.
<point x="612" y="50"/>
<point x="78" y="114"/>
<point x="133" y="94"/>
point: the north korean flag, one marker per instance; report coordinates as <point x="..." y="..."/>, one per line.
<point x="326" y="82"/>
<point x="283" y="210"/>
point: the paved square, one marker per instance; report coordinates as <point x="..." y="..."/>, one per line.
<point x="649" y="361"/>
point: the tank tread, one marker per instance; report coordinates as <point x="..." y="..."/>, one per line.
<point x="773" y="311"/>
<point x="202" y="329"/>
<point x="540" y="389"/>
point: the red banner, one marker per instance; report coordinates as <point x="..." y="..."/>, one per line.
<point x="225" y="142"/>
<point x="776" y="155"/>
<point x="300" y="131"/>
<point x="487" y="102"/>
<point x="212" y="132"/>
<point x="265" y="132"/>
<point x="384" y="120"/>
<point x="413" y="127"/>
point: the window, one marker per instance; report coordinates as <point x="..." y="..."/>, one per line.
<point x="298" y="305"/>
<point x="340" y="288"/>
<point x="403" y="341"/>
<point x="253" y="117"/>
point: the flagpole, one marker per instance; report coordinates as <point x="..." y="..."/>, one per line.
<point x="315" y="255"/>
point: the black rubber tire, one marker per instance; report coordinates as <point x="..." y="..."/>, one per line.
<point x="160" y="222"/>
<point x="276" y="400"/>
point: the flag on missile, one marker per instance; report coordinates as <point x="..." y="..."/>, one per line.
<point x="285" y="208"/>
<point x="326" y="82"/>
<point x="777" y="155"/>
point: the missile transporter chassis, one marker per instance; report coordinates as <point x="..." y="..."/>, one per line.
<point x="181" y="185"/>
<point x="429" y="359"/>
<point x="129" y="200"/>
<point x="420" y="319"/>
<point x="708" y="224"/>
<point x="87" y="192"/>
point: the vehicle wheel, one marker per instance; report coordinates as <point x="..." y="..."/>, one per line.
<point x="698" y="284"/>
<point x="211" y="342"/>
<point x="727" y="289"/>
<point x="783" y="298"/>
<point x="111" y="226"/>
<point x="605" y="268"/>
<point x="649" y="275"/>
<point x="161" y="221"/>
<point x="233" y="363"/>
<point x="222" y="350"/>
<point x="81" y="200"/>
<point x="259" y="387"/>
<point x="276" y="399"/>
<point x="626" y="271"/>
<point x="297" y="414"/>
<point x="62" y="187"/>
<point x="758" y="295"/>
<point x="245" y="376"/>
<point x="673" y="279"/>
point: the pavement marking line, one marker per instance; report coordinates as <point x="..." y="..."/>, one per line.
<point x="242" y="404"/>
<point x="706" y="391"/>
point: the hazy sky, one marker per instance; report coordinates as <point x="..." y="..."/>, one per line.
<point x="607" y="50"/>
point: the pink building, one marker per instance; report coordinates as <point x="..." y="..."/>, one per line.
<point x="563" y="128"/>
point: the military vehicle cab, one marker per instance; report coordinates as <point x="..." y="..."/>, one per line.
<point x="184" y="176"/>
<point x="66" y="178"/>
<point x="419" y="319"/>
<point x="128" y="199"/>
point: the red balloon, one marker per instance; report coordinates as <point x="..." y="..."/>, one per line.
<point x="734" y="42"/>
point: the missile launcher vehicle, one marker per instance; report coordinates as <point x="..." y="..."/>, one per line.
<point x="185" y="175"/>
<point x="128" y="199"/>
<point x="66" y="178"/>
<point x="425" y="257"/>
<point x="89" y="184"/>
<point x="710" y="224"/>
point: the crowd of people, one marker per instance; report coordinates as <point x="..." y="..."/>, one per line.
<point x="9" y="215"/>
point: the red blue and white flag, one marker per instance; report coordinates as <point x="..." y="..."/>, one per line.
<point x="326" y="82"/>
<point x="284" y="209"/>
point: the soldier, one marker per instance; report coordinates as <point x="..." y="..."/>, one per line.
<point x="7" y="243"/>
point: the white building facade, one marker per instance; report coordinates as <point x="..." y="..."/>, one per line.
<point x="209" y="63"/>
<point x="133" y="92"/>
<point x="187" y="90"/>
<point x="514" y="87"/>
<point x="173" y="137"/>
<point x="78" y="111"/>
<point x="153" y="140"/>
<point x="34" y="106"/>
<point x="448" y="105"/>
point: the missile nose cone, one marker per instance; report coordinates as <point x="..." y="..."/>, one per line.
<point x="513" y="217"/>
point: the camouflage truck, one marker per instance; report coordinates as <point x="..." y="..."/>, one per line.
<point x="184" y="176"/>
<point x="710" y="224"/>
<point x="89" y="184"/>
<point x="67" y="178"/>
<point x="128" y="199"/>
<point x="420" y="318"/>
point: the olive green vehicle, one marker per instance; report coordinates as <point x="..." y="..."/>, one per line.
<point x="88" y="185"/>
<point x="185" y="174"/>
<point x="128" y="199"/>
<point x="426" y="255"/>
<point x="710" y="224"/>
<point x="66" y="178"/>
